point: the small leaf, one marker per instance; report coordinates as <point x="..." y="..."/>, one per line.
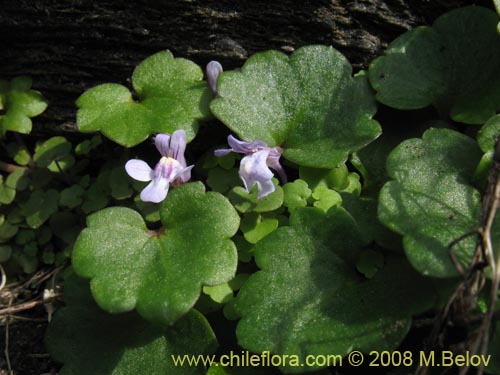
<point x="221" y="180"/>
<point x="7" y="231"/>
<point x="369" y="262"/>
<point x="160" y="274"/>
<point x="219" y="293"/>
<point x="172" y="95"/>
<point x="7" y="194"/>
<point x="488" y="134"/>
<point x="5" y="253"/>
<point x="256" y="226"/>
<point x="53" y="149"/>
<point x="486" y="138"/>
<point x="309" y="299"/>
<point x="19" y="103"/>
<point x="119" y="182"/>
<point x="364" y="212"/>
<point x="248" y="202"/>
<point x="296" y="194"/>
<point x="326" y="198"/>
<point x="89" y="341"/>
<point x="309" y="104"/>
<point x="20" y="155"/>
<point x="335" y="178"/>
<point x="40" y="206"/>
<point x="71" y="197"/>
<point x="430" y="201"/>
<point x="453" y="65"/>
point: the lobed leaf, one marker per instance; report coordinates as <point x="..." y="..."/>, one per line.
<point x="309" y="299"/>
<point x="309" y="104"/>
<point x="159" y="273"/>
<point x="89" y="341"/>
<point x="430" y="200"/>
<point x="19" y="103"/>
<point x="453" y="65"/>
<point x="171" y="95"/>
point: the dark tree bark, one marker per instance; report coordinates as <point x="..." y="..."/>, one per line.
<point x="69" y="46"/>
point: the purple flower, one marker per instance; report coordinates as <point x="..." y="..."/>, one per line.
<point x="171" y="169"/>
<point x="214" y="68"/>
<point x="254" y="167"/>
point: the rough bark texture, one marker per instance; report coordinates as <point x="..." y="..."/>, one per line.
<point x="69" y="46"/>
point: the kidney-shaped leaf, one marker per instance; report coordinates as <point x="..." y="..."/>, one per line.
<point x="159" y="273"/>
<point x="453" y="65"/>
<point x="87" y="340"/>
<point x="171" y="95"/>
<point x="308" y="103"/>
<point x="308" y="298"/>
<point x="430" y="202"/>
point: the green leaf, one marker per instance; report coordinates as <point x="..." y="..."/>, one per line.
<point x="221" y="180"/>
<point x="430" y="201"/>
<point x="488" y="134"/>
<point x="160" y="274"/>
<point x="326" y="198"/>
<point x="453" y="65"/>
<point x="486" y="138"/>
<point x="66" y="226"/>
<point x="20" y="154"/>
<point x="149" y="211"/>
<point x="119" y="182"/>
<point x="308" y="103"/>
<point x="296" y="194"/>
<point x="369" y="262"/>
<point x="40" y="206"/>
<point x="17" y="180"/>
<point x="19" y="103"/>
<point x="335" y="178"/>
<point x="84" y="148"/>
<point x="248" y="202"/>
<point x="7" y="231"/>
<point x="364" y="212"/>
<point x="256" y="226"/>
<point x="172" y="95"/>
<point x="5" y="253"/>
<point x="71" y="197"/>
<point x="53" y="149"/>
<point x="89" y="341"/>
<point x="309" y="299"/>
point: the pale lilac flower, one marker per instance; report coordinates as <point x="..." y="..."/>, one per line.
<point x="214" y="68"/>
<point x="170" y="170"/>
<point x="254" y="167"/>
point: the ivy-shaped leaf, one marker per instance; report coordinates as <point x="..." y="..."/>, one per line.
<point x="248" y="202"/>
<point x="430" y="202"/>
<point x="171" y="95"/>
<point x="296" y="194"/>
<point x="87" y="340"/>
<point x="160" y="274"/>
<point x="19" y="103"/>
<point x="256" y="226"/>
<point x="308" y="103"/>
<point x="309" y="299"/>
<point x="453" y="65"/>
